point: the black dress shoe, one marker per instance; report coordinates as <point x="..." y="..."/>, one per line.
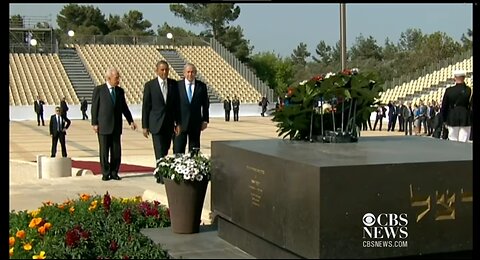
<point x="105" y="178"/>
<point x="116" y="177"/>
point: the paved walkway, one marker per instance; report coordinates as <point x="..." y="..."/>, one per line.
<point x="27" y="140"/>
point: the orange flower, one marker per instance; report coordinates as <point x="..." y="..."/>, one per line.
<point x="10" y="252"/>
<point x="35" y="222"/>
<point x="47" y="203"/>
<point x="47" y="226"/>
<point x="84" y="197"/>
<point x="39" y="256"/>
<point x="11" y="241"/>
<point x="21" y="234"/>
<point x="41" y="230"/>
<point x="61" y="206"/>
<point x="27" y="247"/>
<point x="72" y="209"/>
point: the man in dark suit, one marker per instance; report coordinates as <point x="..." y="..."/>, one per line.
<point x="108" y="105"/>
<point x="194" y="110"/>
<point x="58" y="130"/>
<point x="236" y="107"/>
<point x="64" y="107"/>
<point x="160" y="110"/>
<point x="227" y="106"/>
<point x="83" y="108"/>
<point x="38" y="108"/>
<point x="456" y="108"/>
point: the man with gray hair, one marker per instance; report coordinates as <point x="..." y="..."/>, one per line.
<point x="108" y="105"/>
<point x="456" y="108"/>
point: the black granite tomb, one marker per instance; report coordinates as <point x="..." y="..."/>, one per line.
<point x="292" y="199"/>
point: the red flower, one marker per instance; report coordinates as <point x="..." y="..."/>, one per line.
<point x="318" y="78"/>
<point x="347" y="72"/>
<point x="107" y="200"/>
<point x="113" y="246"/>
<point x="127" y="216"/>
<point x="290" y="91"/>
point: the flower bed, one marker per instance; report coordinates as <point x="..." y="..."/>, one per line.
<point x="90" y="227"/>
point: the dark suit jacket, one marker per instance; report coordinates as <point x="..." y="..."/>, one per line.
<point x="193" y="114"/>
<point x="38" y="106"/>
<point x="64" y="107"/>
<point x="105" y="114"/>
<point x="54" y="127"/>
<point x="84" y="105"/>
<point x="156" y="115"/>
<point x="456" y="105"/>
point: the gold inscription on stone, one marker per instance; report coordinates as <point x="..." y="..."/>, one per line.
<point x="446" y="209"/>
<point x="420" y="201"/>
<point x="255" y="185"/>
<point x="444" y="206"/>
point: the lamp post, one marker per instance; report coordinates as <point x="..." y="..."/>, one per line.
<point x="170" y="36"/>
<point x="71" y="33"/>
<point x="343" y="35"/>
<point x="33" y="42"/>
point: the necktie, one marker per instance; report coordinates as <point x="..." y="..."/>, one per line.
<point x="190" y="92"/>
<point x="112" y="93"/>
<point x="164" y="90"/>
<point x="59" y="123"/>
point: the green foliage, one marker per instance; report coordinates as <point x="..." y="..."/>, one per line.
<point x="355" y="93"/>
<point x="213" y="16"/>
<point x="300" y="54"/>
<point x="91" y="227"/>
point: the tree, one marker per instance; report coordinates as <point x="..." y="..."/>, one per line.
<point x="214" y="17"/>
<point x="16" y="21"/>
<point x="73" y="16"/>
<point x="133" y="22"/>
<point x="410" y="39"/>
<point x="300" y="54"/>
<point x="176" y="31"/>
<point x="235" y="42"/>
<point x="366" y="48"/>
<point x="272" y="69"/>
<point x="114" y="23"/>
<point x="467" y="40"/>
<point x="324" y="52"/>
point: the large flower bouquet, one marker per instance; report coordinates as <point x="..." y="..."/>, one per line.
<point x="90" y="227"/>
<point x="328" y="108"/>
<point x="184" y="167"/>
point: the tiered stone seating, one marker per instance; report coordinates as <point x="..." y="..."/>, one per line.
<point x="219" y="74"/>
<point x="136" y="64"/>
<point x="38" y="74"/>
<point x="434" y="78"/>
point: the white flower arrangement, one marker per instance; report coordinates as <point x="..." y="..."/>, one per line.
<point x="184" y="167"/>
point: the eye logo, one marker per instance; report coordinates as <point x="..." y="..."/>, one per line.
<point x="368" y="219"/>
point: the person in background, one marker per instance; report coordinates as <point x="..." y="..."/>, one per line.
<point x="108" y="105"/>
<point x="160" y="111"/>
<point x="194" y="111"/>
<point x="264" y="103"/>
<point x="456" y="108"/>
<point x="227" y="106"/>
<point x="236" y="107"/>
<point x="83" y="108"/>
<point x="58" y="130"/>
<point x="64" y="107"/>
<point x="38" y="108"/>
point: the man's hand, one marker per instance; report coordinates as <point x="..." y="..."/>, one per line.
<point x="177" y="129"/>
<point x="95" y="129"/>
<point x="204" y="125"/>
<point x="133" y="126"/>
<point x="146" y="132"/>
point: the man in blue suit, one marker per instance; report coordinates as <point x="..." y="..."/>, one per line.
<point x="194" y="110"/>
<point x="58" y="130"/>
